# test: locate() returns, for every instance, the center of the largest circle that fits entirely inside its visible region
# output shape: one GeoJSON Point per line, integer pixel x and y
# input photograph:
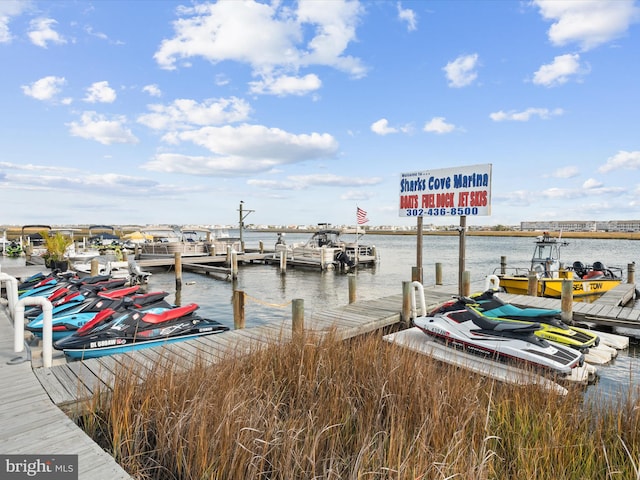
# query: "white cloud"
{"type": "Point", "coordinates": [302, 182]}
{"type": "Point", "coordinates": [185, 112]}
{"type": "Point", "coordinates": [44, 89]}
{"type": "Point", "coordinates": [461, 72]}
{"type": "Point", "coordinates": [152, 90]}
{"type": "Point", "coordinates": [381, 127]}
{"type": "Point", "coordinates": [269, 37]}
{"type": "Point", "coordinates": [622, 159]}
{"type": "Point", "coordinates": [243, 150]}
{"type": "Point", "coordinates": [588, 23]}
{"type": "Point", "coordinates": [591, 183]}
{"type": "Point", "coordinates": [439, 125]}
{"type": "Point", "coordinates": [93, 126]}
{"type": "Point", "coordinates": [8, 9]}
{"type": "Point", "coordinates": [409, 16]}
{"type": "Point", "coordinates": [100, 92]}
{"type": "Point", "coordinates": [566, 172]}
{"type": "Point", "coordinates": [525, 115]}
{"type": "Point", "coordinates": [42, 32]}
{"type": "Point", "coordinates": [286, 85]}
{"type": "Point", "coordinates": [559, 72]}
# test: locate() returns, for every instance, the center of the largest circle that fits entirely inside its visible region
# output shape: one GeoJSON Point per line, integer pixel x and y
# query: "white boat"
{"type": "Point", "coordinates": [115, 269]}
{"type": "Point", "coordinates": [167, 241]}
{"type": "Point", "coordinates": [328, 248]}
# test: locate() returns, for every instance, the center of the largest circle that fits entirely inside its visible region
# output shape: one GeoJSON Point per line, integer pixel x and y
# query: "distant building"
{"type": "Point", "coordinates": [583, 226]}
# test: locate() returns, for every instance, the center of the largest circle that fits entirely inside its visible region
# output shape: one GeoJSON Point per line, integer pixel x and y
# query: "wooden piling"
{"type": "Point", "coordinates": [95, 267]}
{"type": "Point", "coordinates": [234, 265]}
{"type": "Point", "coordinates": [352, 287]}
{"type": "Point", "coordinates": [283, 261]}
{"type": "Point", "coordinates": [466, 283]}
{"type": "Point", "coordinates": [416, 274]}
{"type": "Point", "coordinates": [297, 317]}
{"type": "Point", "coordinates": [631, 272]}
{"type": "Point", "coordinates": [177, 262]}
{"type": "Point", "coordinates": [503, 264]}
{"type": "Point", "coordinates": [566, 301]}
{"type": "Point", "coordinates": [438, 273]}
{"type": "Point", "coordinates": [238, 309]}
{"type": "Point", "coordinates": [406, 303]}
{"type": "Point", "coordinates": [532, 285]}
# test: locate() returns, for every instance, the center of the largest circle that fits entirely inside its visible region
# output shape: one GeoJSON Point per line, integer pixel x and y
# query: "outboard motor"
{"type": "Point", "coordinates": [344, 259]}
{"type": "Point", "coordinates": [579, 268]}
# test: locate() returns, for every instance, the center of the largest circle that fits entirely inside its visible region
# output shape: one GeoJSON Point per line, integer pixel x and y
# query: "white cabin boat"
{"type": "Point", "coordinates": [329, 248]}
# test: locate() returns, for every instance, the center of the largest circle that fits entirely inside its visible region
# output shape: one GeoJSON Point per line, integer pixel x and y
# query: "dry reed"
{"type": "Point", "coordinates": [361, 409]}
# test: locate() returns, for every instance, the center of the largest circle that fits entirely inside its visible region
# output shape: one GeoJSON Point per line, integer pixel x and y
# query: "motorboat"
{"type": "Point", "coordinates": [110, 332]}
{"type": "Point", "coordinates": [329, 249]}
{"type": "Point", "coordinates": [67, 321]}
{"type": "Point", "coordinates": [500, 340]}
{"type": "Point", "coordinates": [32, 242]}
{"type": "Point", "coordinates": [551, 326]}
{"type": "Point", "coordinates": [588, 280]}
{"type": "Point", "coordinates": [167, 241]}
{"type": "Point", "coordinates": [128, 270]}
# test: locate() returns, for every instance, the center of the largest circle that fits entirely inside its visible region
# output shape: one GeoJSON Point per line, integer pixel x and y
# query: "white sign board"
{"type": "Point", "coordinates": [446, 192]}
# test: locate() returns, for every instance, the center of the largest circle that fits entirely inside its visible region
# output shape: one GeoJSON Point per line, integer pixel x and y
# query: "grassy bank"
{"type": "Point", "coordinates": [362, 409]}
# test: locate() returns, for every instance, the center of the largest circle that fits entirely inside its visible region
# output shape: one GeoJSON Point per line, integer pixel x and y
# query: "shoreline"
{"type": "Point", "coordinates": [474, 233]}
{"type": "Point", "coordinates": [13, 233]}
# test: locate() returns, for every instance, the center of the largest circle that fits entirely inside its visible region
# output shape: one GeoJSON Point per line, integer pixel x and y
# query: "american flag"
{"type": "Point", "coordinates": [362, 216]}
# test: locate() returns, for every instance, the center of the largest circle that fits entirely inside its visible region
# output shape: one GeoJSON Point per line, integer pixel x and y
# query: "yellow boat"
{"type": "Point", "coordinates": [588, 281]}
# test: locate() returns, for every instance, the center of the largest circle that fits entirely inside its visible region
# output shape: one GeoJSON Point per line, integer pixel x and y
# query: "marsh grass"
{"type": "Point", "coordinates": [361, 409]}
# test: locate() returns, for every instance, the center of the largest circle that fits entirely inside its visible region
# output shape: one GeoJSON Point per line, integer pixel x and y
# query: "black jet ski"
{"type": "Point", "coordinates": [110, 332]}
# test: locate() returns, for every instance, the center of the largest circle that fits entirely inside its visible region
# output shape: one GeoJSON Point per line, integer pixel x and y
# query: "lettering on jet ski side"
{"type": "Point", "coordinates": [107, 343]}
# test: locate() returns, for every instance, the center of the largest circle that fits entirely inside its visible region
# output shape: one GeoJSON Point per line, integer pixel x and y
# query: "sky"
{"type": "Point", "coordinates": [175, 112]}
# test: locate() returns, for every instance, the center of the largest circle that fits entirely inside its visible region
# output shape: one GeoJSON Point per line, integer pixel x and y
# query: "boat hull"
{"type": "Point", "coordinates": [552, 287]}
{"type": "Point", "coordinates": [127, 346]}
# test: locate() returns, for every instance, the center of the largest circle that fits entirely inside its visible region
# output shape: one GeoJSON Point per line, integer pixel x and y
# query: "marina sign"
{"type": "Point", "coordinates": [446, 192]}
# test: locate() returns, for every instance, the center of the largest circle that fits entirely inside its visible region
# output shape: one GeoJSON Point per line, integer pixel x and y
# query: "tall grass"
{"type": "Point", "coordinates": [363, 409]}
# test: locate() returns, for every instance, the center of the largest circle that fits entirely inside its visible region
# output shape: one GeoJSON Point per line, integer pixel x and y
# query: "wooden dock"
{"type": "Point", "coordinates": [30, 423]}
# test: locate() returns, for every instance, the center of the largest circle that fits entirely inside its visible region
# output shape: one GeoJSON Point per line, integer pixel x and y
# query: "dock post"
{"type": "Point", "coordinates": [283, 261]}
{"type": "Point", "coordinates": [405, 316]}
{"type": "Point", "coordinates": [466, 283]}
{"type": "Point", "coordinates": [297, 316]}
{"type": "Point", "coordinates": [566, 301]}
{"type": "Point", "coordinates": [438, 273]}
{"type": "Point", "coordinates": [177, 261]}
{"type": "Point", "coordinates": [234, 265]}
{"type": "Point", "coordinates": [228, 259]}
{"type": "Point", "coordinates": [532, 285]}
{"type": "Point", "coordinates": [261, 246]}
{"type": "Point", "coordinates": [352, 287]}
{"type": "Point", "coordinates": [631, 272]}
{"type": "Point", "coordinates": [416, 274]}
{"type": "Point", "coordinates": [238, 309]}
{"type": "Point", "coordinates": [95, 267]}
{"type": "Point", "coordinates": [503, 264]}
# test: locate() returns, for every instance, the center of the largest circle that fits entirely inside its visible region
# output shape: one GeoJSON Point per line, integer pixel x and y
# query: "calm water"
{"type": "Point", "coordinates": [269, 293]}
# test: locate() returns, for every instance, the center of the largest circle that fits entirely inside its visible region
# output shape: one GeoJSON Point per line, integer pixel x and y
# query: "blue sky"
{"type": "Point", "coordinates": [144, 112]}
